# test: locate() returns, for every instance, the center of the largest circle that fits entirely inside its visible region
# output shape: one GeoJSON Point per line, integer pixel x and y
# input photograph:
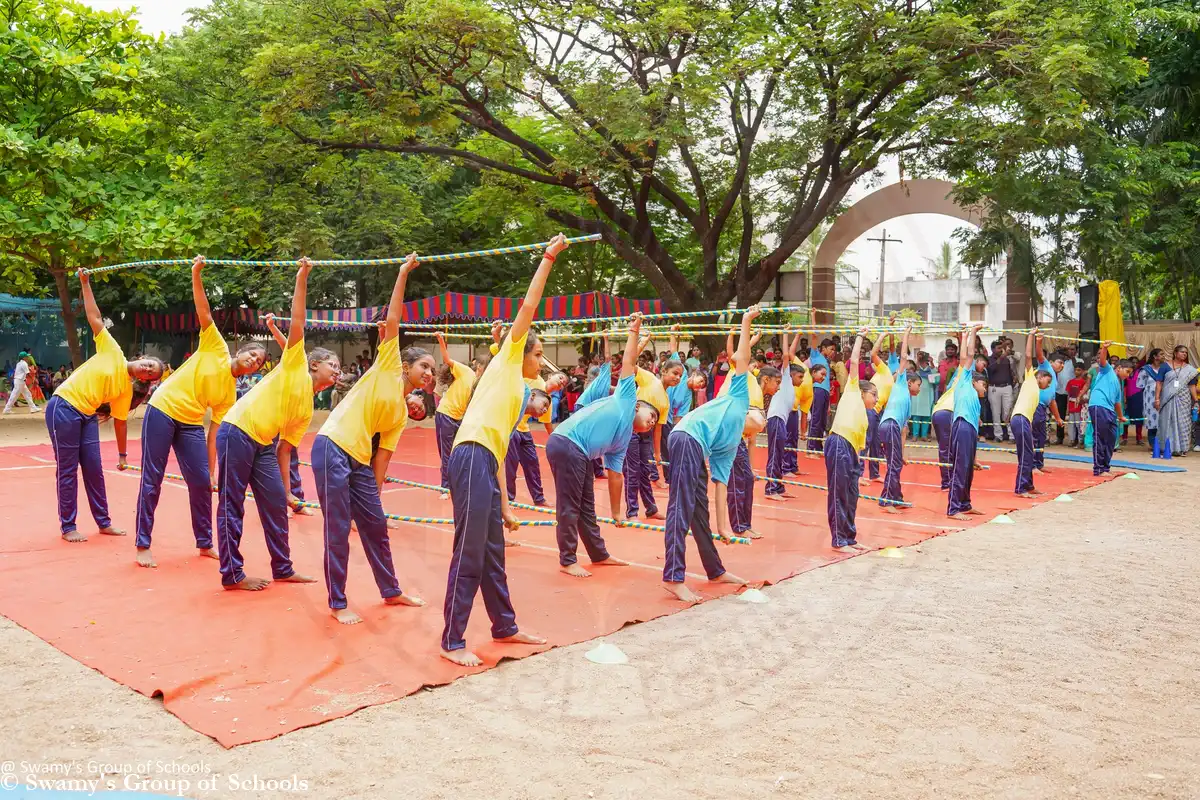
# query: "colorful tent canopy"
{"type": "Point", "coordinates": [440, 308]}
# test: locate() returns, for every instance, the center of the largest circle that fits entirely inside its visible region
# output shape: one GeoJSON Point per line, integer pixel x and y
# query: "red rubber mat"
{"type": "Point", "coordinates": [246, 666]}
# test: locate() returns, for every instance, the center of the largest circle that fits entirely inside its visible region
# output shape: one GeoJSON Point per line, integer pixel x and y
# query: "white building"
{"type": "Point", "coordinates": [953, 300]}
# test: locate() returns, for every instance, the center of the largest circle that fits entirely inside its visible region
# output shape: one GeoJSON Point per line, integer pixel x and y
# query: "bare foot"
{"type": "Point", "coordinates": [973, 512]}
{"type": "Point", "coordinates": [249, 584]}
{"type": "Point", "coordinates": [1044, 470]}
{"type": "Point", "coordinates": [891, 510]}
{"type": "Point", "coordinates": [862, 548]}
{"type": "Point", "coordinates": [656, 514]}
{"type": "Point", "coordinates": [74, 536]}
{"type": "Point", "coordinates": [393, 524]}
{"type": "Point", "coordinates": [1029, 495]}
{"type": "Point", "coordinates": [464, 658]}
{"type": "Point", "coordinates": [296, 577]}
{"type": "Point", "coordinates": [443, 495]}
{"type": "Point", "coordinates": [963, 517]}
{"type": "Point", "coordinates": [750, 533]}
{"type": "Point", "coordinates": [303, 511]}
{"type": "Point", "coordinates": [511, 542]}
{"type": "Point", "coordinates": [728, 578]}
{"type": "Point", "coordinates": [682, 592]}
{"type": "Point", "coordinates": [864, 481]}
{"type": "Point", "coordinates": [778, 498]}
{"type": "Point", "coordinates": [520, 638]}
{"type": "Point", "coordinates": [111, 531]}
{"type": "Point", "coordinates": [145, 558]}
{"type": "Point", "coordinates": [410, 600]}
{"type": "Point", "coordinates": [611, 561]}
{"type": "Point", "coordinates": [575, 571]}
{"type": "Point", "coordinates": [207, 552]}
{"type": "Point", "coordinates": [345, 616]}
{"type": "Point", "coordinates": [845, 549]}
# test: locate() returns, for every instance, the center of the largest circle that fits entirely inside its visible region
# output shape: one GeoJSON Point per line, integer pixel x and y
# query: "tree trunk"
{"type": "Point", "coordinates": [68, 313]}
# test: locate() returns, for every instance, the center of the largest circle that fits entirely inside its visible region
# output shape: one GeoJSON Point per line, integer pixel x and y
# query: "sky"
{"type": "Point", "coordinates": [921, 235]}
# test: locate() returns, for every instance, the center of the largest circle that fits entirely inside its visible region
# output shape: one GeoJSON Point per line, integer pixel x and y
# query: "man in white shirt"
{"type": "Point", "coordinates": [20, 389]}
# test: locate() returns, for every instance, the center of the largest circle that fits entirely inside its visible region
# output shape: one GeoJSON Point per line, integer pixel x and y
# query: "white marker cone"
{"type": "Point", "coordinates": [1065, 498]}
{"type": "Point", "coordinates": [753, 596]}
{"type": "Point", "coordinates": [605, 653]}
{"type": "Point", "coordinates": [1133, 476]}
{"type": "Point", "coordinates": [1004, 519]}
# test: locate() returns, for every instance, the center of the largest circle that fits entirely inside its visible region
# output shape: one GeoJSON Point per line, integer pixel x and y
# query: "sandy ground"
{"type": "Point", "coordinates": [1043, 659]}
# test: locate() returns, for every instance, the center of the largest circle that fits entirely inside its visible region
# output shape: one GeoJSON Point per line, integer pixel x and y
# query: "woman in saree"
{"type": "Point", "coordinates": [1149, 380]}
{"type": "Point", "coordinates": [1179, 391]}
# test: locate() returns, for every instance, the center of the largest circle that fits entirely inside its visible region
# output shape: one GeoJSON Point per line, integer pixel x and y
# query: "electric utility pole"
{"type": "Point", "coordinates": [883, 243]}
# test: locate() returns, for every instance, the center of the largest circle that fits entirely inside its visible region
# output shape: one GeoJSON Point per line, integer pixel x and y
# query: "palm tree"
{"type": "Point", "coordinates": [943, 267]}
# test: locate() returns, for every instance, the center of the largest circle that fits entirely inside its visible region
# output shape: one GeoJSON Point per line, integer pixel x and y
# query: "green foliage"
{"type": "Point", "coordinates": [705, 141]}
{"type": "Point", "coordinates": [1116, 198]}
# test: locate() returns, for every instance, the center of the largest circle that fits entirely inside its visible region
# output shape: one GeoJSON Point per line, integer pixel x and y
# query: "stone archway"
{"type": "Point", "coordinates": [922, 196]}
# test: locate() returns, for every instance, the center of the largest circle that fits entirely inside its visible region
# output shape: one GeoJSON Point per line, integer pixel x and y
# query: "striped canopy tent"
{"type": "Point", "coordinates": [440, 308]}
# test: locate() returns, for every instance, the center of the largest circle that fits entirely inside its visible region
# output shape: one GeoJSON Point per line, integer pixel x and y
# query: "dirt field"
{"type": "Point", "coordinates": [1043, 659]}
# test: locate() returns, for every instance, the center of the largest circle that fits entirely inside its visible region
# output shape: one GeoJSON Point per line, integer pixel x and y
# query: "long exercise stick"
{"type": "Point", "coordinates": [349, 262]}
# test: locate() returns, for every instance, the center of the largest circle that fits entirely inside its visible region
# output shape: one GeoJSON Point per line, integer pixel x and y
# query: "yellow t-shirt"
{"type": "Point", "coordinates": [850, 421]}
{"type": "Point", "coordinates": [454, 401]}
{"type": "Point", "coordinates": [1027, 398]}
{"type": "Point", "coordinates": [374, 405]}
{"type": "Point", "coordinates": [204, 381]}
{"type": "Point", "coordinates": [499, 401]}
{"type": "Point", "coordinates": [103, 378]}
{"type": "Point", "coordinates": [883, 382]}
{"type": "Point", "coordinates": [838, 368]}
{"type": "Point", "coordinates": [532, 383]}
{"type": "Point", "coordinates": [650, 390]}
{"type": "Point", "coordinates": [756, 392]}
{"type": "Point", "coordinates": [804, 392]}
{"type": "Point", "coordinates": [281, 404]}
{"type": "Point", "coordinates": [946, 401]}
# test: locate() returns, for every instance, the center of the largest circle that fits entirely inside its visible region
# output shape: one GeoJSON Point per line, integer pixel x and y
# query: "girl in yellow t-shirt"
{"type": "Point", "coordinates": [280, 405]}
{"type": "Point", "coordinates": [175, 421]}
{"type": "Point", "coordinates": [847, 438]}
{"type": "Point", "coordinates": [461, 380]}
{"type": "Point", "coordinates": [350, 469]}
{"type": "Point", "coordinates": [481, 511]}
{"type": "Point", "coordinates": [105, 379]}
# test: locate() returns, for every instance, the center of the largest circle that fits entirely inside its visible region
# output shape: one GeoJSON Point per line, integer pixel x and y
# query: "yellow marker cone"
{"type": "Point", "coordinates": [892, 552]}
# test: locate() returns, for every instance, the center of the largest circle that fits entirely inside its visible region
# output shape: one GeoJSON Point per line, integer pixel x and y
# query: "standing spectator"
{"type": "Point", "coordinates": [1150, 379]}
{"type": "Point", "coordinates": [693, 360]}
{"type": "Point", "coordinates": [1064, 371]}
{"type": "Point", "coordinates": [1000, 371]}
{"type": "Point", "coordinates": [20, 384]}
{"type": "Point", "coordinates": [947, 363]}
{"type": "Point", "coordinates": [1075, 406]}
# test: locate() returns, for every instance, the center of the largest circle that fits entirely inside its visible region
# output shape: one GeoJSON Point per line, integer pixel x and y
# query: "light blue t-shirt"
{"type": "Point", "coordinates": [1106, 389]}
{"type": "Point", "coordinates": [899, 405]}
{"type": "Point", "coordinates": [717, 426]}
{"type": "Point", "coordinates": [815, 359]}
{"type": "Point", "coordinates": [1046, 396]}
{"type": "Point", "coordinates": [966, 399]}
{"type": "Point", "coordinates": [524, 405]}
{"type": "Point", "coordinates": [597, 389]}
{"type": "Point", "coordinates": [604, 428]}
{"type": "Point", "coordinates": [783, 401]}
{"type": "Point", "coordinates": [679, 397]}
{"type": "Point", "coordinates": [893, 362]}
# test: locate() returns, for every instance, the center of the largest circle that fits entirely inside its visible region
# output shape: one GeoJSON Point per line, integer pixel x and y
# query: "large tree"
{"type": "Point", "coordinates": [83, 176]}
{"type": "Point", "coordinates": [705, 140]}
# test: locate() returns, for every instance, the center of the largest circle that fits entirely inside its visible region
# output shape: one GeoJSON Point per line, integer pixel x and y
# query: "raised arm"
{"type": "Point", "coordinates": [280, 339]}
{"type": "Point", "coordinates": [793, 347]}
{"type": "Point", "coordinates": [391, 328]}
{"type": "Point", "coordinates": [533, 295]}
{"type": "Point", "coordinates": [1102, 356]}
{"type": "Point", "coordinates": [94, 317]}
{"type": "Point", "coordinates": [441, 340]}
{"type": "Point", "coordinates": [729, 348]}
{"type": "Point", "coordinates": [673, 347]}
{"type": "Point", "coordinates": [741, 359]}
{"type": "Point", "coordinates": [629, 360]}
{"type": "Point", "coordinates": [299, 303]}
{"type": "Point", "coordinates": [607, 351]}
{"type": "Point", "coordinates": [1029, 350]}
{"type": "Point", "coordinates": [199, 296]}
{"type": "Point", "coordinates": [856, 353]}
{"type": "Point", "coordinates": [965, 354]}
{"type": "Point", "coordinates": [904, 354]}
{"type": "Point", "coordinates": [875, 359]}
